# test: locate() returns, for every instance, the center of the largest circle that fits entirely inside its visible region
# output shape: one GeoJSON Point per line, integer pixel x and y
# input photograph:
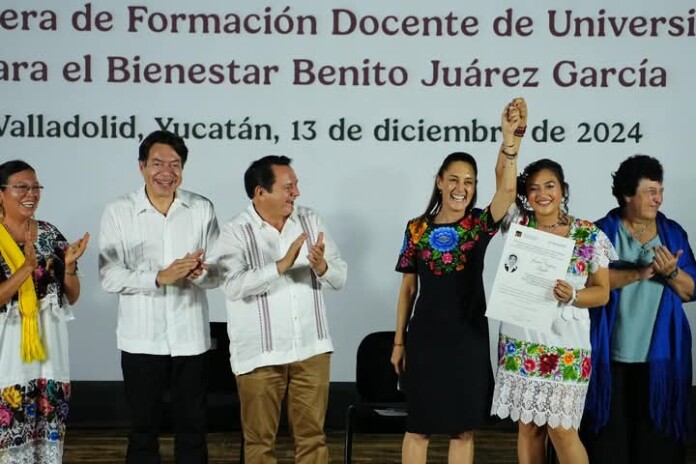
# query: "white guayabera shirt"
{"type": "Point", "coordinates": [136, 241]}
{"type": "Point", "coordinates": [275, 319]}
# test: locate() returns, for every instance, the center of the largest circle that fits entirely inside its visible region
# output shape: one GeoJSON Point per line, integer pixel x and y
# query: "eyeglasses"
{"type": "Point", "coordinates": [23, 189]}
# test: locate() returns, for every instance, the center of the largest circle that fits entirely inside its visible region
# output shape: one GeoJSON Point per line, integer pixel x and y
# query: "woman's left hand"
{"type": "Point", "coordinates": [563, 291]}
{"type": "Point", "coordinates": [665, 262]}
{"type": "Point", "coordinates": [75, 250]}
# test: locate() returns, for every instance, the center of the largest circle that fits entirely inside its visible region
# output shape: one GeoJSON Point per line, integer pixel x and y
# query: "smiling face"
{"type": "Point", "coordinates": [20, 197]}
{"type": "Point", "coordinates": [545, 194]}
{"type": "Point", "coordinates": [458, 186]}
{"type": "Point", "coordinates": [162, 171]}
{"type": "Point", "coordinates": [278, 203]}
{"type": "Point", "coordinates": [646, 202]}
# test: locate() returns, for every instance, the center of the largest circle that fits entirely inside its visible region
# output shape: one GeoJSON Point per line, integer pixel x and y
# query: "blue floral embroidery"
{"type": "Point", "coordinates": [444, 239]}
{"type": "Point", "coordinates": [443, 248]}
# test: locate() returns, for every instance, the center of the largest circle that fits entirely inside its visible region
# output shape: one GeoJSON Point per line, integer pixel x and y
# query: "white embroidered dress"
{"type": "Point", "coordinates": [543, 377]}
{"type": "Point", "coordinates": [34, 397]}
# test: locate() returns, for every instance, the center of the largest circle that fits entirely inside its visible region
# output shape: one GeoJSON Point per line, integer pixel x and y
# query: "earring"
{"type": "Point", "coordinates": [525, 204]}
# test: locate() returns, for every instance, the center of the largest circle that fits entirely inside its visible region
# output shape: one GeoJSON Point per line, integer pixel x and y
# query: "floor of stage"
{"type": "Point", "coordinates": [108, 447]}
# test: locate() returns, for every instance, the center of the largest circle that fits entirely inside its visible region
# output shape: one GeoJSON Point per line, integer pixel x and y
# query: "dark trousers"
{"type": "Point", "coordinates": [146, 378]}
{"type": "Point", "coordinates": [630, 437]}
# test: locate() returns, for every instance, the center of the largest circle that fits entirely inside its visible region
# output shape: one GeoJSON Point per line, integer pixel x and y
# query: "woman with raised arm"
{"type": "Point", "coordinates": [38, 280]}
{"type": "Point", "coordinates": [442, 352]}
{"type": "Point", "coordinates": [542, 377]}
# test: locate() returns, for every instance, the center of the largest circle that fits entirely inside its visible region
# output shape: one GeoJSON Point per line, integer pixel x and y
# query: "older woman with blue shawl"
{"type": "Point", "coordinates": [638, 408]}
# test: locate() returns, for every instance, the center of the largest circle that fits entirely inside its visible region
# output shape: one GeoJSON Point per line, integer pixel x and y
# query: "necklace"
{"type": "Point", "coordinates": [637, 235]}
{"type": "Point", "coordinates": [563, 221]}
{"type": "Point", "coordinates": [550, 227]}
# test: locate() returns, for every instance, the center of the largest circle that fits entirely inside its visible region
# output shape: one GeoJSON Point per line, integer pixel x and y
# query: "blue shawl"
{"type": "Point", "coordinates": [669, 357]}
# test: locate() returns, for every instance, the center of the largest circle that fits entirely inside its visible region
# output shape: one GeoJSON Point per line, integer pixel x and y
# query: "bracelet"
{"type": "Point", "coordinates": [509, 155]}
{"type": "Point", "coordinates": [397, 344]}
{"type": "Point", "coordinates": [573, 297]}
{"type": "Point", "coordinates": [71, 273]}
{"type": "Point", "coordinates": [519, 132]}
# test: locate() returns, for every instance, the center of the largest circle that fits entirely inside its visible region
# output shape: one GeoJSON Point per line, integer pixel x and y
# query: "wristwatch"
{"type": "Point", "coordinates": [673, 274]}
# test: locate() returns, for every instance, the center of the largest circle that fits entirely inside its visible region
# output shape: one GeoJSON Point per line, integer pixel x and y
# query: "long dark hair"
{"type": "Point", "coordinates": [531, 170]}
{"type": "Point", "coordinates": [435, 203]}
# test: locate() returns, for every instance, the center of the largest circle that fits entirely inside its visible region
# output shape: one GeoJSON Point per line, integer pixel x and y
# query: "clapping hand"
{"type": "Point", "coordinates": [190, 264]}
{"type": "Point", "coordinates": [75, 250]}
{"type": "Point", "coordinates": [665, 262]}
{"type": "Point", "coordinates": [29, 250]}
{"type": "Point", "coordinates": [286, 262]}
{"type": "Point", "coordinates": [316, 256]}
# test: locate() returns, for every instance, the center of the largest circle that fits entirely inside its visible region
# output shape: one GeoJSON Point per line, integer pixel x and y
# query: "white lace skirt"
{"type": "Point", "coordinates": [543, 384]}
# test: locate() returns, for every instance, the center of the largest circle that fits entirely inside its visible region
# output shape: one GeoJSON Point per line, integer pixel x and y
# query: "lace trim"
{"type": "Point", "coordinates": [542, 402]}
{"type": "Point", "coordinates": [36, 452]}
{"type": "Point", "coordinates": [59, 309]}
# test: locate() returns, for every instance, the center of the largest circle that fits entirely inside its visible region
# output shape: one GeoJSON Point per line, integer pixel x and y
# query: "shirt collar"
{"type": "Point", "coordinates": [143, 204]}
{"type": "Point", "coordinates": [258, 221]}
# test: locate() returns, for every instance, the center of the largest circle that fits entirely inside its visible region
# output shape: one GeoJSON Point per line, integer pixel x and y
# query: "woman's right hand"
{"type": "Point", "coordinates": [398, 359]}
{"type": "Point", "coordinates": [29, 251]}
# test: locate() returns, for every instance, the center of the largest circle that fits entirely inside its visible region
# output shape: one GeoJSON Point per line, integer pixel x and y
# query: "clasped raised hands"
{"type": "Point", "coordinates": [514, 116]}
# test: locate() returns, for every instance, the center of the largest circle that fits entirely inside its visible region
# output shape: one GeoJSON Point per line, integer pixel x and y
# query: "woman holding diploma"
{"type": "Point", "coordinates": [542, 377]}
{"type": "Point", "coordinates": [444, 359]}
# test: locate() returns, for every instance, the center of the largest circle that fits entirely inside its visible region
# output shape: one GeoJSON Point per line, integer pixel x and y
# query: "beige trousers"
{"type": "Point", "coordinates": [261, 393]}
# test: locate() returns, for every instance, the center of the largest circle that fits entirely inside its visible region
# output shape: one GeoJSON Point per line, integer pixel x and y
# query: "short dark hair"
{"type": "Point", "coordinates": [9, 168]}
{"type": "Point", "coordinates": [630, 172]}
{"type": "Point", "coordinates": [260, 173]}
{"type": "Point", "coordinates": [435, 202]}
{"type": "Point", "coordinates": [167, 138]}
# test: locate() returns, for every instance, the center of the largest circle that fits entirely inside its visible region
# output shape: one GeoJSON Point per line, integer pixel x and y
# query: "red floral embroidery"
{"type": "Point", "coordinates": [548, 363]}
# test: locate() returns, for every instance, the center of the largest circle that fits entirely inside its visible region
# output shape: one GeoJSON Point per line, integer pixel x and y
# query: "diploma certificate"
{"type": "Point", "coordinates": [522, 292]}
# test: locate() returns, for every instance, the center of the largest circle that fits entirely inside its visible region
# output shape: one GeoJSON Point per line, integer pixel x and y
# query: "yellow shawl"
{"type": "Point", "coordinates": [32, 349]}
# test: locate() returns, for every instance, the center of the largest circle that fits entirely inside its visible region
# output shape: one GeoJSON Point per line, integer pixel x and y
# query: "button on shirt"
{"type": "Point", "coordinates": [275, 319]}
{"type": "Point", "coordinates": [136, 241]}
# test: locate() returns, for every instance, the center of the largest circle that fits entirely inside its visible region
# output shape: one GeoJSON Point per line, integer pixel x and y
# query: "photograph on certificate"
{"type": "Point", "coordinates": [522, 292]}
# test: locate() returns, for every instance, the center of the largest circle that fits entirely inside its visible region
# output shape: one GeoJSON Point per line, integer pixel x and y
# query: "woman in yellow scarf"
{"type": "Point", "coordinates": [38, 281]}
